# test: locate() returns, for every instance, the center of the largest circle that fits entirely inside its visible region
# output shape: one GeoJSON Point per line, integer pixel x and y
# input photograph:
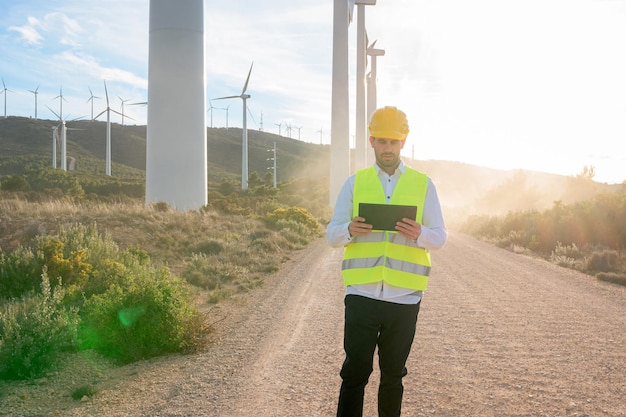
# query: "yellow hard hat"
{"type": "Point", "coordinates": [390, 123]}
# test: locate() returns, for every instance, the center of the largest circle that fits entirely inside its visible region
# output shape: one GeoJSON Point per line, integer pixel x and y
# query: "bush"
{"type": "Point", "coordinates": [20, 273]}
{"type": "Point", "coordinates": [293, 215]}
{"type": "Point", "coordinates": [604, 261]}
{"type": "Point", "coordinates": [80, 255]}
{"type": "Point", "coordinates": [33, 331]}
{"type": "Point", "coordinates": [148, 315]}
{"type": "Point", "coordinates": [612, 277]}
{"type": "Point", "coordinates": [210, 272]}
{"type": "Point", "coordinates": [15, 183]}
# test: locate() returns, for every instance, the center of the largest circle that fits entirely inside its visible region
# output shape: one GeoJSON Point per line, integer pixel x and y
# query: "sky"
{"type": "Point", "coordinates": [508, 84]}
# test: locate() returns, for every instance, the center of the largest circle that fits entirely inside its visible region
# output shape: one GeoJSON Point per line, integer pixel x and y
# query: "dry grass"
{"type": "Point", "coordinates": [248, 248]}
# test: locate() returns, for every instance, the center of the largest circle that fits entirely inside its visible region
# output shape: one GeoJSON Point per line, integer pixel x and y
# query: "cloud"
{"type": "Point", "coordinates": [89, 65]}
{"type": "Point", "coordinates": [29, 32]}
{"type": "Point", "coordinates": [58, 28]}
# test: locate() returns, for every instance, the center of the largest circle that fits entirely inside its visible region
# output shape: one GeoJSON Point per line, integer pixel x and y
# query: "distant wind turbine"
{"type": "Point", "coordinates": [244, 145]}
{"type": "Point", "coordinates": [108, 111]}
{"type": "Point", "coordinates": [5, 90]}
{"type": "Point", "coordinates": [91, 98]}
{"type": "Point", "coordinates": [371, 80]}
{"type": "Point", "coordinates": [64, 129]}
{"type": "Point", "coordinates": [60, 97]}
{"type": "Point", "coordinates": [211, 110]}
{"type": "Point", "coordinates": [279, 126]}
{"type": "Point", "coordinates": [122, 107]}
{"type": "Point", "coordinates": [35, 92]}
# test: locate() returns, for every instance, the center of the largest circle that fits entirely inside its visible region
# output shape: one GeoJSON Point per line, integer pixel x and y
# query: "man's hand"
{"type": "Point", "coordinates": [409, 228]}
{"type": "Point", "coordinates": [358, 227]}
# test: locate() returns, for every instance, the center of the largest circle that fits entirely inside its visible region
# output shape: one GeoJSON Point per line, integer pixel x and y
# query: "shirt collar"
{"type": "Point", "coordinates": [399, 171]}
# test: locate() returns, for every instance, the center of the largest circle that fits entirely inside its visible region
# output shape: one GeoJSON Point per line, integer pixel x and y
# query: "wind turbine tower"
{"type": "Point", "coordinates": [5, 90]}
{"type": "Point", "coordinates": [91, 98]}
{"type": "Point", "coordinates": [360, 145]}
{"type": "Point", "coordinates": [176, 154]}
{"type": "Point", "coordinates": [35, 92]}
{"type": "Point", "coordinates": [372, 100]}
{"type": "Point", "coordinates": [339, 122]}
{"type": "Point", "coordinates": [108, 110]}
{"type": "Point", "coordinates": [54, 146]}
{"type": "Point", "coordinates": [244, 140]}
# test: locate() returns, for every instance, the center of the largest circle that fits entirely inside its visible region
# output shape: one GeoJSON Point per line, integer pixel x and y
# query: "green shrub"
{"type": "Point", "coordinates": [286, 217]}
{"type": "Point", "coordinates": [33, 331]}
{"type": "Point", "coordinates": [149, 314]}
{"type": "Point", "coordinates": [20, 273]}
{"type": "Point", "coordinates": [15, 183]}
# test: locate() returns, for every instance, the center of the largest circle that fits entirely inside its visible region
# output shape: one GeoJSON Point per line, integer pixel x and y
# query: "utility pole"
{"type": "Point", "coordinates": [274, 164]}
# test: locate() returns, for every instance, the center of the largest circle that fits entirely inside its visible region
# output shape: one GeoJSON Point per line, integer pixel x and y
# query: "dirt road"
{"type": "Point", "coordinates": [499, 334]}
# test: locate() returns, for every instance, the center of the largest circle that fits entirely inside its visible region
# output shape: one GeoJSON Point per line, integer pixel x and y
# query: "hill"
{"type": "Point", "coordinates": [463, 188]}
{"type": "Point", "coordinates": [86, 140]}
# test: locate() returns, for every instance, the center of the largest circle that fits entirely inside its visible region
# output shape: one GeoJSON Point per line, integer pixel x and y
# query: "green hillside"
{"type": "Point", "coordinates": [28, 142]}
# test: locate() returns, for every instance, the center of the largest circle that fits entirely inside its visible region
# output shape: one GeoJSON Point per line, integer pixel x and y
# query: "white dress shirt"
{"type": "Point", "coordinates": [434, 233]}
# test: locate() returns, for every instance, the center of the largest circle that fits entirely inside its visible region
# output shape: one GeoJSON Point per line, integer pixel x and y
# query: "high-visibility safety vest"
{"type": "Point", "coordinates": [386, 255]}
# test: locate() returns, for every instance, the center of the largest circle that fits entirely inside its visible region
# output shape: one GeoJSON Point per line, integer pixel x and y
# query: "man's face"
{"type": "Point", "coordinates": [387, 152]}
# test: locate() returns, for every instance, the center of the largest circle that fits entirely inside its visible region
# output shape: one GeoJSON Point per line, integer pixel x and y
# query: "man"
{"type": "Point", "coordinates": [385, 272]}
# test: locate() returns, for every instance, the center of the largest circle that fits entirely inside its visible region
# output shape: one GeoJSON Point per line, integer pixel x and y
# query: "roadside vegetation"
{"type": "Point", "coordinates": [85, 267]}
{"type": "Point", "coordinates": [97, 271]}
{"type": "Point", "coordinates": [589, 236]}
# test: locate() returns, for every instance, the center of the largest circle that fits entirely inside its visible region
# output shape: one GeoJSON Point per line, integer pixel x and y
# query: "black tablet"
{"type": "Point", "coordinates": [385, 216]}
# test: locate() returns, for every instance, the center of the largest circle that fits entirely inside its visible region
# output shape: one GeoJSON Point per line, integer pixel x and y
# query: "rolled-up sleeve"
{"type": "Point", "coordinates": [337, 234]}
{"type": "Point", "coordinates": [434, 232]}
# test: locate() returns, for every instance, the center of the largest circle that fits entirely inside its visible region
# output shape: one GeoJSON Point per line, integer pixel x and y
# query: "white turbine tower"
{"type": "Point", "coordinates": [372, 100]}
{"type": "Point", "coordinates": [61, 99]}
{"type": "Point", "coordinates": [226, 108]}
{"type": "Point", "coordinates": [360, 145]}
{"type": "Point", "coordinates": [340, 122]}
{"type": "Point", "coordinates": [63, 141]}
{"type": "Point", "coordinates": [64, 129]}
{"type": "Point", "coordinates": [54, 146]}
{"type": "Point", "coordinates": [5, 90]}
{"type": "Point", "coordinates": [176, 150]}
{"type": "Point", "coordinates": [91, 98]}
{"type": "Point", "coordinates": [35, 92]}
{"type": "Point", "coordinates": [108, 111]}
{"type": "Point", "coordinates": [280, 125]}
{"type": "Point", "coordinates": [244, 140]}
{"type": "Point", "coordinates": [122, 107]}
{"type": "Point", "coordinates": [211, 110]}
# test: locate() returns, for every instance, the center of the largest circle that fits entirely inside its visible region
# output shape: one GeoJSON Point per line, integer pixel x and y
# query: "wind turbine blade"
{"type": "Point", "coordinates": [245, 86]}
{"type": "Point", "coordinates": [222, 98]}
{"type": "Point", "coordinates": [55, 113]}
{"type": "Point", "coordinates": [106, 92]}
{"type": "Point", "coordinates": [100, 114]}
{"type": "Point", "coordinates": [124, 115]}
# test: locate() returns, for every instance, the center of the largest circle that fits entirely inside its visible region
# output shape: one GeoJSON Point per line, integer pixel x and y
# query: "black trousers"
{"type": "Point", "coordinates": [370, 323]}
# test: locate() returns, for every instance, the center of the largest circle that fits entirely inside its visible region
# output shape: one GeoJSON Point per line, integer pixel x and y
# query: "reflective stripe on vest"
{"type": "Point", "coordinates": [387, 256]}
{"type": "Point", "coordinates": [396, 264]}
